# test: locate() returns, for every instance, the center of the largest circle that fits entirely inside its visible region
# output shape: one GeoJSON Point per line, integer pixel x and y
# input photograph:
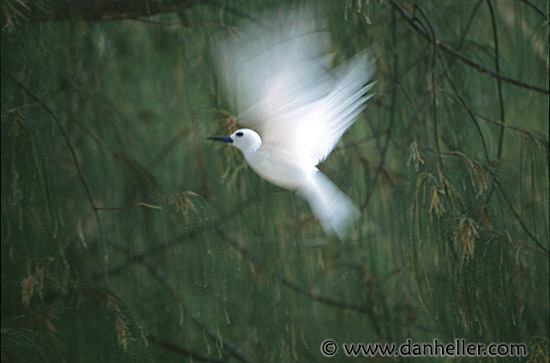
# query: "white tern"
{"type": "Point", "coordinates": [298, 105]}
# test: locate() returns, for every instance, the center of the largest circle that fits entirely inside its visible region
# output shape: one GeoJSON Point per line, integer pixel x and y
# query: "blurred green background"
{"type": "Point", "coordinates": [126, 236]}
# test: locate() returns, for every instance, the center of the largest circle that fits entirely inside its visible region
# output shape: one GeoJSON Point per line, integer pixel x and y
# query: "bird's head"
{"type": "Point", "coordinates": [243, 139]}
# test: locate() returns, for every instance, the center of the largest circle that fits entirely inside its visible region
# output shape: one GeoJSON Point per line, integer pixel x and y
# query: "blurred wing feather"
{"type": "Point", "coordinates": [287, 91]}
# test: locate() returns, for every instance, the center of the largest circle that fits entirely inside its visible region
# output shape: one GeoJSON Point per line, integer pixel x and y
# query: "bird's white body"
{"type": "Point", "coordinates": [277, 168]}
{"type": "Point", "coordinates": [298, 107]}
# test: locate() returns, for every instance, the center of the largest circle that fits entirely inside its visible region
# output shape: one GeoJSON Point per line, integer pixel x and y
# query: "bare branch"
{"type": "Point", "coordinates": [462, 57]}
{"type": "Point", "coordinates": [180, 350]}
{"type": "Point", "coordinates": [537, 9]}
{"type": "Point", "coordinates": [78, 169]}
{"type": "Point", "coordinates": [499, 82]}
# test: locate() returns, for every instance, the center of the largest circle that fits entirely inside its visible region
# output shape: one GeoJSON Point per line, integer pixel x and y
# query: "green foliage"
{"type": "Point", "coordinates": [151, 244]}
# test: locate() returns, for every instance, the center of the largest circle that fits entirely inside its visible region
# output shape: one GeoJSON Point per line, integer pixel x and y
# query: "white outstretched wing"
{"type": "Point", "coordinates": [287, 90]}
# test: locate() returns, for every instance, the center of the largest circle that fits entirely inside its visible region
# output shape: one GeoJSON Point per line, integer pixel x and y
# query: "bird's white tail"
{"type": "Point", "coordinates": [330, 205]}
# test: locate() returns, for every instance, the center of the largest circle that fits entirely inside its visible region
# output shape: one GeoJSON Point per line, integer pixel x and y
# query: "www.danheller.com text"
{"type": "Point", "coordinates": [435, 348]}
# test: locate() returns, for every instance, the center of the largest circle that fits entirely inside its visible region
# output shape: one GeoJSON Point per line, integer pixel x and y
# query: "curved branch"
{"type": "Point", "coordinates": [463, 58]}
{"type": "Point", "coordinates": [392, 113]}
{"type": "Point", "coordinates": [322, 299]}
{"type": "Point", "coordinates": [77, 166]}
{"type": "Point", "coordinates": [213, 333]}
{"type": "Point", "coordinates": [537, 9]}
{"type": "Point", "coordinates": [291, 284]}
{"type": "Point", "coordinates": [463, 104]}
{"type": "Point", "coordinates": [515, 213]}
{"type": "Point", "coordinates": [181, 350]}
{"type": "Point", "coordinates": [499, 82]}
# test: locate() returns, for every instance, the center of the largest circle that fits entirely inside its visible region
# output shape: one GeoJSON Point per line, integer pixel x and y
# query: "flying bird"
{"type": "Point", "coordinates": [295, 104]}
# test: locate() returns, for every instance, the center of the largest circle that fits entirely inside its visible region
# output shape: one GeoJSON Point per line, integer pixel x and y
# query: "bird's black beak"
{"type": "Point", "coordinates": [226, 139]}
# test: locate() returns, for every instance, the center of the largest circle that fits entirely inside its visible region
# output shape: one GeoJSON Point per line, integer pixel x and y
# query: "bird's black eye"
{"type": "Point", "coordinates": [239, 134]}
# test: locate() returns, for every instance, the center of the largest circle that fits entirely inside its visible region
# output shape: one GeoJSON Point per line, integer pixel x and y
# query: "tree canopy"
{"type": "Point", "coordinates": [126, 236]}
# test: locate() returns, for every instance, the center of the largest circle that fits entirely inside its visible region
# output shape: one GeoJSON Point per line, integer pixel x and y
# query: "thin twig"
{"type": "Point", "coordinates": [214, 334]}
{"type": "Point", "coordinates": [434, 91]}
{"type": "Point", "coordinates": [479, 67]}
{"type": "Point", "coordinates": [77, 165]}
{"type": "Point", "coordinates": [140, 202]}
{"type": "Point", "coordinates": [523, 225]}
{"type": "Point", "coordinates": [293, 285]}
{"type": "Point", "coordinates": [531, 134]}
{"type": "Point", "coordinates": [183, 131]}
{"type": "Point", "coordinates": [468, 26]}
{"type": "Point", "coordinates": [392, 113]}
{"type": "Point", "coordinates": [185, 236]}
{"type": "Point", "coordinates": [322, 299]}
{"type": "Point", "coordinates": [463, 103]}
{"type": "Point", "coordinates": [181, 350]}
{"type": "Point", "coordinates": [538, 10]}
{"type": "Point", "coordinates": [499, 81]}
{"type": "Point", "coordinates": [519, 243]}
{"type": "Point", "coordinates": [118, 155]}
{"type": "Point", "coordinates": [433, 79]}
{"type": "Point", "coordinates": [506, 199]}
{"type": "Point", "coordinates": [505, 196]}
